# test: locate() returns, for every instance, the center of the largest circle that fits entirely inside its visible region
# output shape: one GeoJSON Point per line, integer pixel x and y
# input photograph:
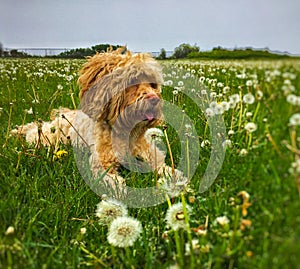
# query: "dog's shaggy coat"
{"type": "Point", "coordinates": [119, 101]}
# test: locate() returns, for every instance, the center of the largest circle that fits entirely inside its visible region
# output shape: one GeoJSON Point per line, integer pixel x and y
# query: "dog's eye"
{"type": "Point", "coordinates": [153, 85]}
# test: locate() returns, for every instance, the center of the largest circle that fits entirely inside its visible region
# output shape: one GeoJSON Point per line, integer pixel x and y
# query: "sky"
{"type": "Point", "coordinates": [150, 25]}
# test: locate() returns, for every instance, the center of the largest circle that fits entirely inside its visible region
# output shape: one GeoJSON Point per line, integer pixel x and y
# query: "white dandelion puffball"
{"type": "Point", "coordinates": [175, 216]}
{"type": "Point", "coordinates": [223, 220]}
{"type": "Point", "coordinates": [153, 134]}
{"type": "Point", "coordinates": [295, 119]}
{"type": "Point", "coordinates": [110, 209]}
{"type": "Point", "coordinates": [235, 98]}
{"type": "Point", "coordinates": [249, 98]}
{"type": "Point", "coordinates": [251, 127]}
{"type": "Point", "coordinates": [124, 231]}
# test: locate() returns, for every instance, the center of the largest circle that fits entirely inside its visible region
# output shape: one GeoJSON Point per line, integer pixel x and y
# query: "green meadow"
{"type": "Point", "coordinates": [248, 218]}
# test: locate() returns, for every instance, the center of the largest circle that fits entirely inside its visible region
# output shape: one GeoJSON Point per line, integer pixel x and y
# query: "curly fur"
{"type": "Point", "coordinates": [119, 101]}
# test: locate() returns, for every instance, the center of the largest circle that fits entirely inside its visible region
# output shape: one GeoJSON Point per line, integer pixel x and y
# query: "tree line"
{"type": "Point", "coordinates": [183, 51]}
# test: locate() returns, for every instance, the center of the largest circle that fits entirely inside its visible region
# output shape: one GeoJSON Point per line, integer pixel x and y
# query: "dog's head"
{"type": "Point", "coordinates": [122, 89]}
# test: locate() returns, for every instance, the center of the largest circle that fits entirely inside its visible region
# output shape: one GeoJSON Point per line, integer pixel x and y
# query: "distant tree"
{"type": "Point", "coordinates": [83, 52]}
{"type": "Point", "coordinates": [162, 55]}
{"type": "Point", "coordinates": [1, 49]}
{"type": "Point", "coordinates": [104, 47]}
{"type": "Point", "coordinates": [18, 54]}
{"type": "Point", "coordinates": [183, 50]}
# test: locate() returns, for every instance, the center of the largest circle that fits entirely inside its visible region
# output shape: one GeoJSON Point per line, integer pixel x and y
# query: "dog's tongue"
{"type": "Point", "coordinates": [149, 116]}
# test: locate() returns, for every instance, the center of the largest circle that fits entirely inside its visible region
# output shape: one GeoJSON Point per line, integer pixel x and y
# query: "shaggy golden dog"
{"type": "Point", "coordinates": [119, 102]}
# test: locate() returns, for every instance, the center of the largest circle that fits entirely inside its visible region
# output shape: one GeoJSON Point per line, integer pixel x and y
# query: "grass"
{"type": "Point", "coordinates": [47, 202]}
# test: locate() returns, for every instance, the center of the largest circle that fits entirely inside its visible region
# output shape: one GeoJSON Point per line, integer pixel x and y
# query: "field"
{"type": "Point", "coordinates": [249, 216]}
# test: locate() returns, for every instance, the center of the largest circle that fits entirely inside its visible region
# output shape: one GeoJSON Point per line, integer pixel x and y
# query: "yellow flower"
{"type": "Point", "coordinates": [245, 196]}
{"type": "Point", "coordinates": [245, 223]}
{"type": "Point", "coordinates": [59, 154]}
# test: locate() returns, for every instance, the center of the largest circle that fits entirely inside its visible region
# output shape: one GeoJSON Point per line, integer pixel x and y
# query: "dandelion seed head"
{"type": "Point", "coordinates": [223, 220]}
{"type": "Point", "coordinates": [209, 112]}
{"type": "Point", "coordinates": [110, 209]}
{"type": "Point", "coordinates": [295, 119]}
{"type": "Point", "coordinates": [175, 216]}
{"type": "Point", "coordinates": [124, 231]}
{"type": "Point", "coordinates": [249, 98]}
{"type": "Point", "coordinates": [153, 135]}
{"type": "Point", "coordinates": [251, 127]}
{"type": "Point", "coordinates": [235, 98]}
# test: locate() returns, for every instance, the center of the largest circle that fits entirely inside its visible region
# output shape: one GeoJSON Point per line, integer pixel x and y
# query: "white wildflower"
{"type": "Point", "coordinates": [249, 98]}
{"type": "Point", "coordinates": [225, 105]}
{"type": "Point", "coordinates": [243, 152]}
{"type": "Point", "coordinates": [251, 127]}
{"type": "Point", "coordinates": [10, 230]}
{"type": "Point", "coordinates": [295, 119]}
{"type": "Point", "coordinates": [223, 220]}
{"type": "Point", "coordinates": [195, 246]}
{"type": "Point", "coordinates": [205, 143]}
{"type": "Point", "coordinates": [153, 135]}
{"type": "Point", "coordinates": [259, 95]}
{"type": "Point", "coordinates": [124, 231]}
{"type": "Point", "coordinates": [249, 83]}
{"type": "Point", "coordinates": [110, 209]}
{"type": "Point", "coordinates": [83, 230]}
{"type": "Point", "coordinates": [227, 143]}
{"type": "Point", "coordinates": [230, 132]}
{"type": "Point", "coordinates": [209, 112]}
{"type": "Point", "coordinates": [29, 111]}
{"type": "Point", "coordinates": [175, 216]}
{"type": "Point", "coordinates": [292, 99]}
{"type": "Point", "coordinates": [235, 98]}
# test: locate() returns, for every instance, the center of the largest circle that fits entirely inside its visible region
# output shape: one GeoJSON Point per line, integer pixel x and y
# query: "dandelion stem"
{"type": "Point", "coordinates": [187, 222]}
{"type": "Point", "coordinates": [170, 152]}
{"type": "Point", "coordinates": [188, 158]}
{"type": "Point", "coordinates": [8, 126]}
{"type": "Point", "coordinates": [249, 141]}
{"type": "Point", "coordinates": [178, 249]}
{"type": "Point", "coordinates": [241, 113]}
{"type": "Point", "coordinates": [256, 111]}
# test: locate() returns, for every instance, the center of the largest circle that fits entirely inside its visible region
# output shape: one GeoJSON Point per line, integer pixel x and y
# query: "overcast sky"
{"type": "Point", "coordinates": [152, 24]}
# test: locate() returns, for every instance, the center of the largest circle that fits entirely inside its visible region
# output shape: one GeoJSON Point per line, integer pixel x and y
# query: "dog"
{"type": "Point", "coordinates": [120, 99]}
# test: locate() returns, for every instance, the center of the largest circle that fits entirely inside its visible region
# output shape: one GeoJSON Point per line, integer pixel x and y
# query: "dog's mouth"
{"type": "Point", "coordinates": [149, 116]}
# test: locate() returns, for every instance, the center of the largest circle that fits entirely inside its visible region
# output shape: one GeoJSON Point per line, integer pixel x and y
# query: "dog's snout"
{"type": "Point", "coordinates": [153, 98]}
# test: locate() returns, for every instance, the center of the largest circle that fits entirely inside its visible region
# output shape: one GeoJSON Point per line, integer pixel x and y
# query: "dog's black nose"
{"type": "Point", "coordinates": [153, 98]}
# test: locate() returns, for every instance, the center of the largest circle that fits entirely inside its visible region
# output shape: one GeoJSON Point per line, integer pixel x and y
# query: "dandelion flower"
{"type": "Point", "coordinates": [295, 119]}
{"type": "Point", "coordinates": [243, 152]}
{"type": "Point", "coordinates": [29, 111]}
{"type": "Point", "coordinates": [249, 83]}
{"type": "Point", "coordinates": [209, 112]}
{"type": "Point", "coordinates": [251, 127]}
{"type": "Point", "coordinates": [235, 98]}
{"type": "Point", "coordinates": [195, 246]}
{"type": "Point", "coordinates": [153, 134]}
{"type": "Point", "coordinates": [175, 216]}
{"type": "Point", "coordinates": [110, 209]}
{"type": "Point", "coordinates": [223, 220]}
{"type": "Point", "coordinates": [227, 143]}
{"type": "Point", "coordinates": [249, 98]}
{"type": "Point", "coordinates": [259, 95]}
{"type": "Point", "coordinates": [124, 231]}
{"type": "Point", "coordinates": [205, 143]}
{"type": "Point", "coordinates": [225, 105]}
{"type": "Point", "coordinates": [83, 230]}
{"type": "Point", "coordinates": [291, 98]}
{"type": "Point", "coordinates": [10, 230]}
{"type": "Point", "coordinates": [219, 110]}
